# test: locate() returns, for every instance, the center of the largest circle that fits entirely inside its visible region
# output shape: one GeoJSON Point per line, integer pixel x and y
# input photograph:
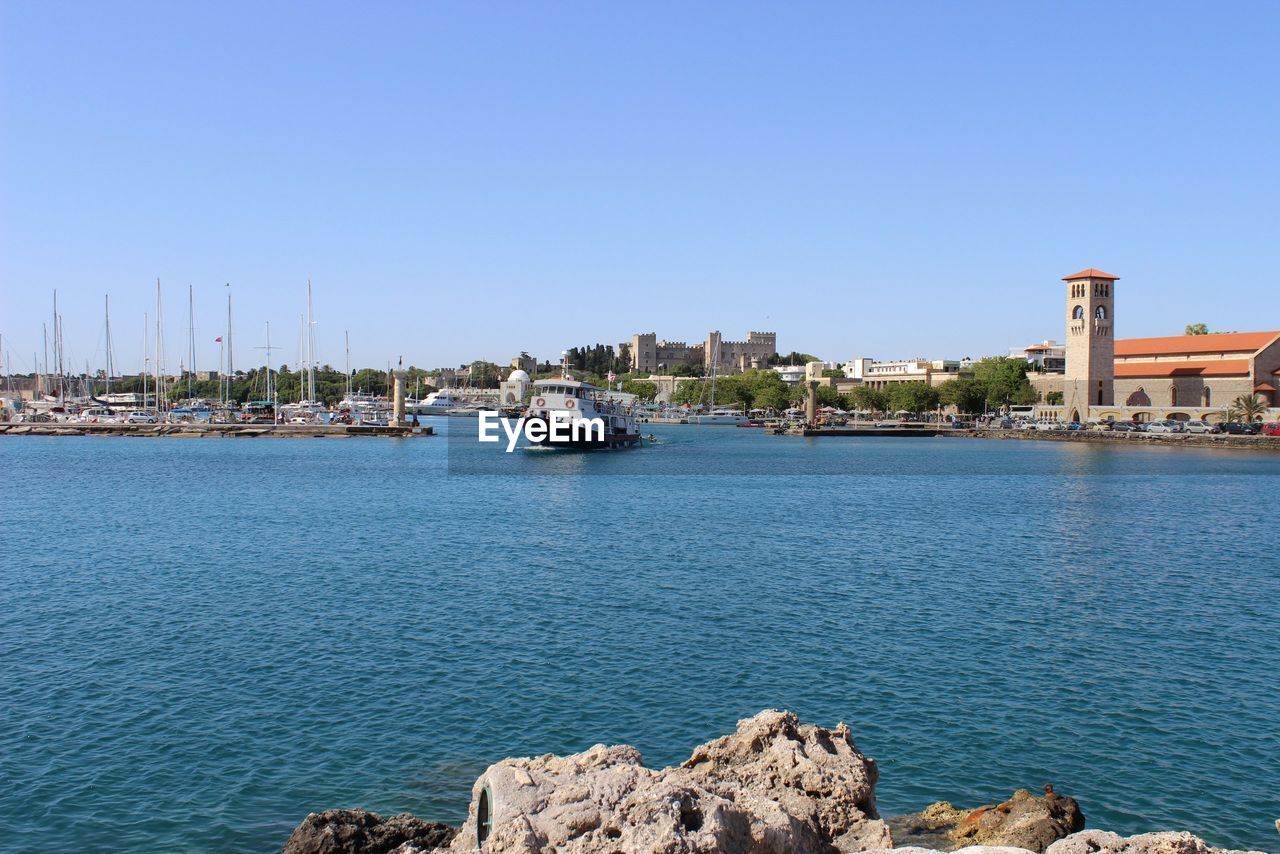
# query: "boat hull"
{"type": "Point", "coordinates": [610, 441]}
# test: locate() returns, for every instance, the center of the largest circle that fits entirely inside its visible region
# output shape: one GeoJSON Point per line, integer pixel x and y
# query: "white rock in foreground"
{"type": "Point", "coordinates": [775, 785]}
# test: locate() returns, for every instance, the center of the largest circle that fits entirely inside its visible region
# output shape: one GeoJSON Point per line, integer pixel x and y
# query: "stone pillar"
{"type": "Point", "coordinates": [397, 406]}
{"type": "Point", "coordinates": [811, 402]}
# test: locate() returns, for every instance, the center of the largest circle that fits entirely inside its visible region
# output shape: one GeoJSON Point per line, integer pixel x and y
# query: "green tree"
{"type": "Point", "coordinates": [1054, 398]}
{"type": "Point", "coordinates": [868, 399]}
{"type": "Point", "coordinates": [484, 374]}
{"type": "Point", "coordinates": [1247, 407]}
{"type": "Point", "coordinates": [913, 397]}
{"type": "Point", "coordinates": [792, 358]}
{"type": "Point", "coordinates": [1005, 380]}
{"type": "Point", "coordinates": [687, 391]}
{"type": "Point", "coordinates": [966, 394]}
{"type": "Point", "coordinates": [772, 398]}
{"type": "Point", "coordinates": [642, 389]}
{"type": "Point", "coordinates": [828, 396]}
{"type": "Point", "coordinates": [1197, 329]}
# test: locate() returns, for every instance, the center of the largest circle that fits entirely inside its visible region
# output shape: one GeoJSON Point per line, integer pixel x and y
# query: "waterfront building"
{"type": "Point", "coordinates": [1178, 377]}
{"type": "Point", "coordinates": [1048, 356]}
{"type": "Point", "coordinates": [882, 374]}
{"type": "Point", "coordinates": [512, 390]}
{"type": "Point", "coordinates": [790, 374]}
{"type": "Point", "coordinates": [648, 353]}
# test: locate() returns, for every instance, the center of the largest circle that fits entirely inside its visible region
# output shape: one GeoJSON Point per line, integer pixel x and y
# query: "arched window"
{"type": "Point", "coordinates": [1173, 395]}
{"type": "Point", "coordinates": [1204, 396]}
{"type": "Point", "coordinates": [1100, 312]}
{"type": "Point", "coordinates": [1077, 313]}
{"type": "Point", "coordinates": [1138, 398]}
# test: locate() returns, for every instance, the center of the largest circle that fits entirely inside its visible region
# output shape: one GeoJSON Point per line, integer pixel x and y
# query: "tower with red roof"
{"type": "Point", "coordinates": [1091, 343]}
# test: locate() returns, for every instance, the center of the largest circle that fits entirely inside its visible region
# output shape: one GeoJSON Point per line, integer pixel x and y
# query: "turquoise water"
{"type": "Point", "coordinates": [203, 640]}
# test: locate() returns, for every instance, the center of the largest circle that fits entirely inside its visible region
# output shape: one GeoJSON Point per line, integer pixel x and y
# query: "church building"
{"type": "Point", "coordinates": [1181, 377]}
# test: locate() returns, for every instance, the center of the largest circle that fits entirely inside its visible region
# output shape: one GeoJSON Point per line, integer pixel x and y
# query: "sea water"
{"type": "Point", "coordinates": [203, 640]}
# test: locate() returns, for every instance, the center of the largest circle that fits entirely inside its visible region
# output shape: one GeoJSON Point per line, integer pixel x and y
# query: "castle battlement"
{"type": "Point", "coordinates": [647, 351]}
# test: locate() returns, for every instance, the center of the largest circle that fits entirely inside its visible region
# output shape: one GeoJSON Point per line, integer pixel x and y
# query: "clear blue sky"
{"type": "Point", "coordinates": [467, 180]}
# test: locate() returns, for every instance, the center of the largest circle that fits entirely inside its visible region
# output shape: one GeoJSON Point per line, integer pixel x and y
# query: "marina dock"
{"type": "Point", "coordinates": [216, 431]}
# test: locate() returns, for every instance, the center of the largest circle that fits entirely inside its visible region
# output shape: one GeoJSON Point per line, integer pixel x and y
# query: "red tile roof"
{"type": "Point", "coordinates": [1176, 345]}
{"type": "Point", "coordinates": [1090, 273]}
{"type": "Point", "coordinates": [1264, 387]}
{"type": "Point", "coordinates": [1201, 368]}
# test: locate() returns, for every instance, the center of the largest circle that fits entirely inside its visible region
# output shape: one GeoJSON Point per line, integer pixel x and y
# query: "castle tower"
{"type": "Point", "coordinates": [1091, 344]}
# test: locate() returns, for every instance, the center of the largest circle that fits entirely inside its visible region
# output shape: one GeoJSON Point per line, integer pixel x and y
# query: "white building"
{"type": "Point", "coordinates": [932, 371]}
{"type": "Point", "coordinates": [1049, 356]}
{"type": "Point", "coordinates": [791, 374]}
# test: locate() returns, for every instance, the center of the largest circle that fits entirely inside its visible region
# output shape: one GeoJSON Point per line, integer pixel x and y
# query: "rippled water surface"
{"type": "Point", "coordinates": [203, 640]}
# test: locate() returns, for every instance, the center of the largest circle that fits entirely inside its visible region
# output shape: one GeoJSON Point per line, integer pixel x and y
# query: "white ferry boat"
{"type": "Point", "coordinates": [582, 400]}
{"type": "Point", "coordinates": [436, 403]}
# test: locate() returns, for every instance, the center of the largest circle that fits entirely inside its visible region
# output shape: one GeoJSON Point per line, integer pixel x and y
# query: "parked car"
{"type": "Point", "coordinates": [142, 418]}
{"type": "Point", "coordinates": [1165, 427]}
{"type": "Point", "coordinates": [1048, 425]}
{"type": "Point", "coordinates": [1125, 427]}
{"type": "Point", "coordinates": [1271, 429]}
{"type": "Point", "coordinates": [1202, 427]}
{"type": "Point", "coordinates": [1240, 428]}
{"type": "Point", "coordinates": [1075, 425]}
{"type": "Point", "coordinates": [1099, 426]}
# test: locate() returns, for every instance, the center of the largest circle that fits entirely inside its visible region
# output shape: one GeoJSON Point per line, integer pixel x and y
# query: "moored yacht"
{"type": "Point", "coordinates": [720, 416]}
{"type": "Point", "coordinates": [436, 403]}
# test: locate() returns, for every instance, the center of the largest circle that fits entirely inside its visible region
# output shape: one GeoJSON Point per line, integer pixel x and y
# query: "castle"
{"type": "Point", "coordinates": [650, 354]}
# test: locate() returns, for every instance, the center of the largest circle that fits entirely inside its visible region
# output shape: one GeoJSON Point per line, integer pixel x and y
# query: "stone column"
{"type": "Point", "coordinates": [397, 406]}
{"type": "Point", "coordinates": [811, 402]}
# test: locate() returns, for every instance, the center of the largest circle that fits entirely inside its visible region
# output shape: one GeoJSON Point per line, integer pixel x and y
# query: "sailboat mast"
{"type": "Point", "coordinates": [57, 347]}
{"type": "Point", "coordinates": [230, 368]}
{"type": "Point", "coordinates": [311, 347]}
{"type": "Point", "coordinates": [159, 366]}
{"type": "Point", "coordinates": [272, 391]}
{"type": "Point", "coordinates": [191, 340]}
{"type": "Point", "coordinates": [347, 336]}
{"type": "Point", "coordinates": [45, 371]}
{"type": "Point", "coordinates": [107, 313]}
{"type": "Point", "coordinates": [146, 324]}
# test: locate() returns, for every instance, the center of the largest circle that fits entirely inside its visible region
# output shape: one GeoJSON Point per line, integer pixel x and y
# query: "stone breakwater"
{"type": "Point", "coordinates": [774, 785]}
{"type": "Point", "coordinates": [1175, 440]}
{"type": "Point", "coordinates": [214, 431]}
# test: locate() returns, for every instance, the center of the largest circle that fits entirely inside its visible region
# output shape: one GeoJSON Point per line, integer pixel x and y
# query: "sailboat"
{"type": "Point", "coordinates": [723, 415]}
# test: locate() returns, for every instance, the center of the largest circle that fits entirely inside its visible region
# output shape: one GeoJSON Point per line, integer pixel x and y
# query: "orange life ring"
{"type": "Point", "coordinates": [568, 404]}
{"type": "Point", "coordinates": [542, 401]}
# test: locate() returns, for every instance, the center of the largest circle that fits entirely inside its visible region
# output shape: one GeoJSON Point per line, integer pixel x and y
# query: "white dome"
{"type": "Point", "coordinates": [518, 376]}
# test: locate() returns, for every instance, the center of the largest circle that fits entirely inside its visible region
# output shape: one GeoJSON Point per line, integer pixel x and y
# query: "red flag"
{"type": "Point", "coordinates": [218, 340]}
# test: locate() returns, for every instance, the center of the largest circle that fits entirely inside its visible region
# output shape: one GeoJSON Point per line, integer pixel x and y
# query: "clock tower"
{"type": "Point", "coordinates": [1091, 344]}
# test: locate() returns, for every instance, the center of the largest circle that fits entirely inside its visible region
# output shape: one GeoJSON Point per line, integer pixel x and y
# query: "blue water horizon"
{"type": "Point", "coordinates": [206, 639]}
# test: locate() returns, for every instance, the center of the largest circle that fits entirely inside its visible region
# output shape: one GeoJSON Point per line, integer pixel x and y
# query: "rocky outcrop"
{"type": "Point", "coordinates": [1094, 842]}
{"type": "Point", "coordinates": [363, 832]}
{"type": "Point", "coordinates": [774, 785]}
{"type": "Point", "coordinates": [1024, 821]}
{"type": "Point", "coordinates": [1103, 842]}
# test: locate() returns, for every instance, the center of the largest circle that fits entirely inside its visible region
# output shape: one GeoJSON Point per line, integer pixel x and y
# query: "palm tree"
{"type": "Point", "coordinates": [1247, 407]}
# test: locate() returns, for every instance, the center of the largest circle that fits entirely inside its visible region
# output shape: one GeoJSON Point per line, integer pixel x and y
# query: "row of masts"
{"type": "Point", "coordinates": [153, 373]}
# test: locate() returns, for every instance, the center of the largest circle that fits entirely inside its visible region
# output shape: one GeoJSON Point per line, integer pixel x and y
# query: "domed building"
{"type": "Point", "coordinates": [512, 390]}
